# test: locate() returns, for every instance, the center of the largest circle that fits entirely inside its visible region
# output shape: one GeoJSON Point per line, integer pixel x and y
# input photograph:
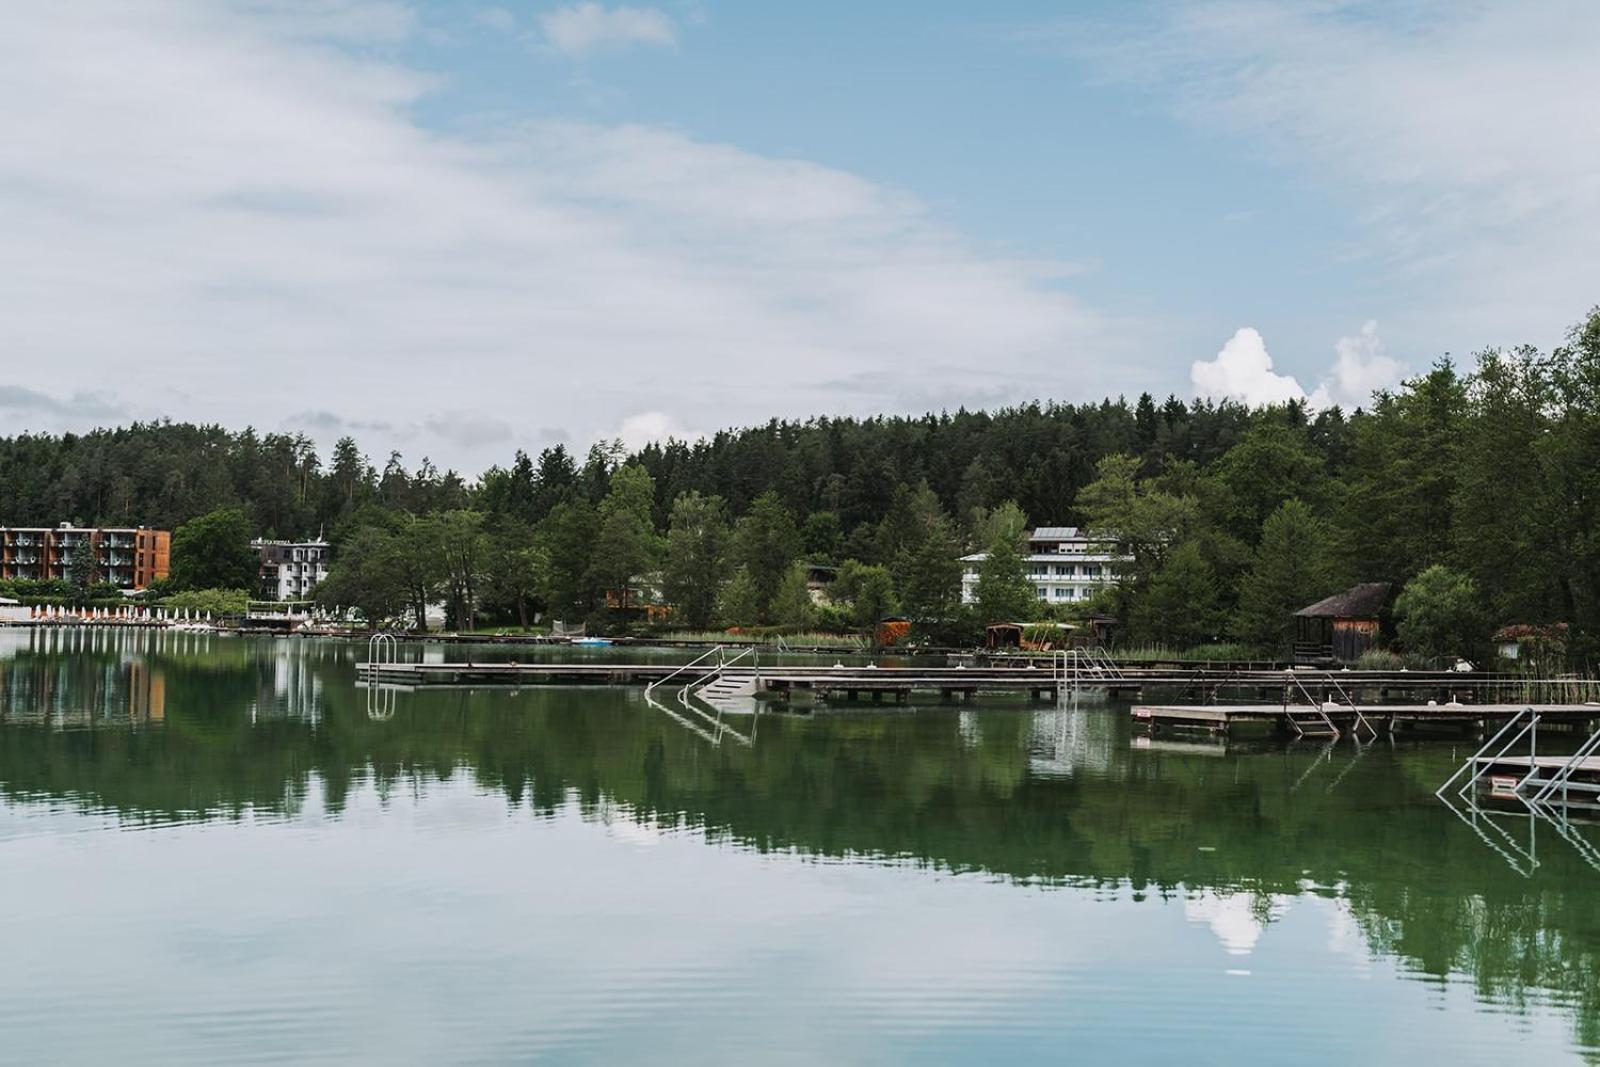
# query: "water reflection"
{"type": "Point", "coordinates": [174, 729]}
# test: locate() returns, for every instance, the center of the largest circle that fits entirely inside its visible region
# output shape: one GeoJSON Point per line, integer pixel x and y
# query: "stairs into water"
{"type": "Point", "coordinates": [715, 687]}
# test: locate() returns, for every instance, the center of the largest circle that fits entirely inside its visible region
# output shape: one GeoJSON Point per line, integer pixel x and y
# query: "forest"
{"type": "Point", "coordinates": [1472, 488]}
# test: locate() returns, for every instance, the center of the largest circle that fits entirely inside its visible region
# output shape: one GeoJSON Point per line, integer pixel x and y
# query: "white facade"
{"type": "Point", "coordinates": [1065, 564]}
{"type": "Point", "coordinates": [291, 569]}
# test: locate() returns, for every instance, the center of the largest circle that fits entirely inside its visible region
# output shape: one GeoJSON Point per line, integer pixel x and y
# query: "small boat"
{"type": "Point", "coordinates": [591, 642]}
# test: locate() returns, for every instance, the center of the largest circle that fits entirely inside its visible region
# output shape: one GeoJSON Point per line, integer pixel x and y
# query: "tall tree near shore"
{"type": "Point", "coordinates": [1181, 608]}
{"type": "Point", "coordinates": [625, 544]}
{"type": "Point", "coordinates": [738, 602]}
{"type": "Point", "coordinates": [1271, 463]}
{"type": "Point", "coordinates": [866, 590]}
{"type": "Point", "coordinates": [568, 534]}
{"type": "Point", "coordinates": [463, 551]}
{"type": "Point", "coordinates": [766, 544]}
{"type": "Point", "coordinates": [554, 482]}
{"type": "Point", "coordinates": [930, 582]}
{"type": "Point", "coordinates": [1439, 612]}
{"type": "Point", "coordinates": [1293, 567]}
{"type": "Point", "coordinates": [83, 568]}
{"type": "Point", "coordinates": [368, 575]}
{"type": "Point", "coordinates": [518, 567]}
{"type": "Point", "coordinates": [418, 560]}
{"type": "Point", "coordinates": [1005, 592]}
{"type": "Point", "coordinates": [213, 552]}
{"type": "Point", "coordinates": [1572, 483]}
{"type": "Point", "coordinates": [696, 557]}
{"type": "Point", "coordinates": [1405, 455]}
{"type": "Point", "coordinates": [791, 604]}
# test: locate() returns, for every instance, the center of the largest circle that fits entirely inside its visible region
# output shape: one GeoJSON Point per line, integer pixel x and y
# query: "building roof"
{"type": "Point", "coordinates": [1053, 533]}
{"type": "Point", "coordinates": [1364, 601]}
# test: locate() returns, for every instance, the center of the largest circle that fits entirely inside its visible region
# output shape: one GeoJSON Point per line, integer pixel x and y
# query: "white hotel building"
{"type": "Point", "coordinates": [291, 569]}
{"type": "Point", "coordinates": [1064, 562]}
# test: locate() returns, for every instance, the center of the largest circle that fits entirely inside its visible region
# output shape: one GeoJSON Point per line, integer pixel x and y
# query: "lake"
{"type": "Point", "coordinates": [219, 849]}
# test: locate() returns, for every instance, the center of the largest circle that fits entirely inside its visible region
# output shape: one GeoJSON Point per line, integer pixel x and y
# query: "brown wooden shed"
{"type": "Point", "coordinates": [1341, 627]}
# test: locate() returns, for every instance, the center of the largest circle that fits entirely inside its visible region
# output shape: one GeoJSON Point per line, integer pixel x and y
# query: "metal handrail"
{"type": "Point", "coordinates": [1361, 720]}
{"type": "Point", "coordinates": [724, 664]}
{"type": "Point", "coordinates": [1477, 757]}
{"type": "Point", "coordinates": [1561, 776]}
{"type": "Point", "coordinates": [382, 650]}
{"type": "Point", "coordinates": [1321, 711]}
{"type": "Point", "coordinates": [716, 650]}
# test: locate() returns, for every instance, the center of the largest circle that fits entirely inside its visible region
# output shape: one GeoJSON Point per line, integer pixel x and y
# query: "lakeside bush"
{"type": "Point", "coordinates": [214, 601]}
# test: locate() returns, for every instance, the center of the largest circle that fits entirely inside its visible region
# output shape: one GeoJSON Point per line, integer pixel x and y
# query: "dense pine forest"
{"type": "Point", "coordinates": [1475, 489]}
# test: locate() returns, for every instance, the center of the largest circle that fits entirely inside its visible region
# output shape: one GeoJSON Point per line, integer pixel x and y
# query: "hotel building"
{"type": "Point", "coordinates": [289, 569]}
{"type": "Point", "coordinates": [1064, 563]}
{"type": "Point", "coordinates": [127, 557]}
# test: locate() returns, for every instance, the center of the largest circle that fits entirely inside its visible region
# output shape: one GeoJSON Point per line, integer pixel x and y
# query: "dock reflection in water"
{"type": "Point", "coordinates": [252, 864]}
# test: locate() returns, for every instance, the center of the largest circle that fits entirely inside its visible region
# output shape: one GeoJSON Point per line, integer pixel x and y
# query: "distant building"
{"type": "Point", "coordinates": [1535, 642]}
{"type": "Point", "coordinates": [291, 569]}
{"type": "Point", "coordinates": [1064, 562]}
{"type": "Point", "coordinates": [128, 557]}
{"type": "Point", "coordinates": [1341, 627]}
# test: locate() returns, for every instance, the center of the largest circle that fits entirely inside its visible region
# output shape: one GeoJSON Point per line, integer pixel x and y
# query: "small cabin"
{"type": "Point", "coordinates": [1028, 636]}
{"type": "Point", "coordinates": [891, 631]}
{"type": "Point", "coordinates": [1546, 643]}
{"type": "Point", "coordinates": [1339, 628]}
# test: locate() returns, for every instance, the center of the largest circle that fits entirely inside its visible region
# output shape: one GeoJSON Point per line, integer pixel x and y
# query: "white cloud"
{"type": "Point", "coordinates": [589, 26]}
{"type": "Point", "coordinates": [649, 427]}
{"type": "Point", "coordinates": [1360, 368]}
{"type": "Point", "coordinates": [1237, 919]}
{"type": "Point", "coordinates": [1243, 371]}
{"type": "Point", "coordinates": [255, 221]}
{"type": "Point", "coordinates": [1457, 133]}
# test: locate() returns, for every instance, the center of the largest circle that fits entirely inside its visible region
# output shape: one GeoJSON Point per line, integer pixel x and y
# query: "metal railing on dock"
{"type": "Point", "coordinates": [686, 695]}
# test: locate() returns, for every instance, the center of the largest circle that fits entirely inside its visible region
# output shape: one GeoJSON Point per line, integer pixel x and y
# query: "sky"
{"type": "Point", "coordinates": [455, 228]}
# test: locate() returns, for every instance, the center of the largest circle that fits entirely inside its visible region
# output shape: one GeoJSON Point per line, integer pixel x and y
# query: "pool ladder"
{"type": "Point", "coordinates": [716, 681]}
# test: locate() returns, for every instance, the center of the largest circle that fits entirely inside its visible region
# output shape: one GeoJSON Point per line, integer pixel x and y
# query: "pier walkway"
{"type": "Point", "coordinates": [1223, 718]}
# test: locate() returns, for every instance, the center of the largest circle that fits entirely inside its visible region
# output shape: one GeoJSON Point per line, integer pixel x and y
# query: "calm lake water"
{"type": "Point", "coordinates": [216, 850]}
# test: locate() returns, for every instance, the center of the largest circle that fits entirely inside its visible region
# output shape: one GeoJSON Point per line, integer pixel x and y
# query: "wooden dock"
{"type": "Point", "coordinates": [1223, 718]}
{"type": "Point", "coordinates": [837, 682]}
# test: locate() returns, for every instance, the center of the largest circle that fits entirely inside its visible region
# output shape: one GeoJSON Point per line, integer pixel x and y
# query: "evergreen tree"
{"type": "Point", "coordinates": [822, 536]}
{"type": "Point", "coordinates": [739, 602]}
{"type": "Point", "coordinates": [696, 557]}
{"type": "Point", "coordinates": [1005, 592]}
{"type": "Point", "coordinates": [83, 569]}
{"type": "Point", "coordinates": [866, 590]}
{"type": "Point", "coordinates": [792, 606]}
{"type": "Point", "coordinates": [1181, 607]}
{"type": "Point", "coordinates": [932, 576]}
{"type": "Point", "coordinates": [767, 542]}
{"type": "Point", "coordinates": [568, 535]}
{"type": "Point", "coordinates": [555, 481]}
{"type": "Point", "coordinates": [1293, 567]}
{"type": "Point", "coordinates": [625, 543]}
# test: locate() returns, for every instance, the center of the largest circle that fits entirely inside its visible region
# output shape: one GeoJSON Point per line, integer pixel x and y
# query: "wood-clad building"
{"type": "Point", "coordinates": [1341, 627]}
{"type": "Point", "coordinates": [128, 557]}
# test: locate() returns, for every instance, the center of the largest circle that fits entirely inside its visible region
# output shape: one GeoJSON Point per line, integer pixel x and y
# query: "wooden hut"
{"type": "Point", "coordinates": [1339, 628]}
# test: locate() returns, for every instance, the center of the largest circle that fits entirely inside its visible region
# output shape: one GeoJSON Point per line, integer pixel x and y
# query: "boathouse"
{"type": "Point", "coordinates": [1341, 627]}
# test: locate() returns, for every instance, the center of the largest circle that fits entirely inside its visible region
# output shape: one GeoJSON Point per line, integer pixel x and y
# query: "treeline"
{"type": "Point", "coordinates": [1476, 490]}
